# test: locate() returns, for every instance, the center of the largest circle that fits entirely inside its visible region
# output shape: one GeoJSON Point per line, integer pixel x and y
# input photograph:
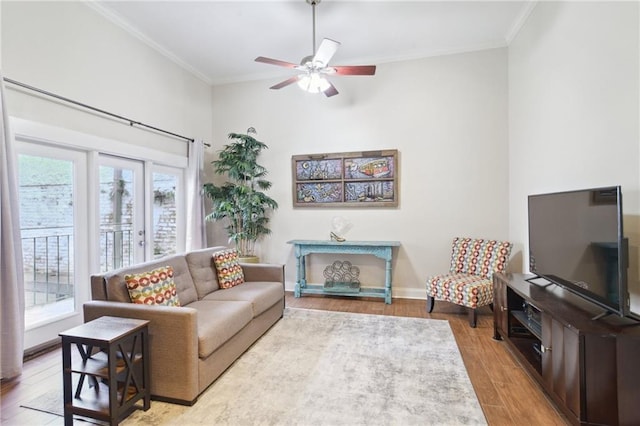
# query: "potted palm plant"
{"type": "Point", "coordinates": [240, 202]}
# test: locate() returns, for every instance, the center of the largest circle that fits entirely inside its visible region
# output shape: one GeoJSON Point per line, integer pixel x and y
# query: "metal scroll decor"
{"type": "Point", "coordinates": [342, 276]}
{"type": "Point", "coordinates": [350, 179]}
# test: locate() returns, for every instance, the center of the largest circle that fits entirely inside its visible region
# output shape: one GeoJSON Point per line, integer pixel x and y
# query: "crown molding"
{"type": "Point", "coordinates": [117, 20]}
{"type": "Point", "coordinates": [520, 21]}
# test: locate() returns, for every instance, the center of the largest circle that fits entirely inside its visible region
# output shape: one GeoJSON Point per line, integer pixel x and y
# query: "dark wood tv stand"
{"type": "Point", "coordinates": [588, 367]}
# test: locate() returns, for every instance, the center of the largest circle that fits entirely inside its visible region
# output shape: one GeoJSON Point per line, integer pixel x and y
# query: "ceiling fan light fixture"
{"type": "Point", "coordinates": [313, 82]}
{"type": "Point", "coordinates": [313, 68]}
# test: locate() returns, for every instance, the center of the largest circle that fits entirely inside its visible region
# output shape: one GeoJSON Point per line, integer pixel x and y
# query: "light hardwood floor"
{"type": "Point", "coordinates": [507, 394]}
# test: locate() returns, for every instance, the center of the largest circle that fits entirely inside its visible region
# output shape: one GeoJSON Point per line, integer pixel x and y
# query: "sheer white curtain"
{"type": "Point", "coordinates": [196, 235]}
{"type": "Point", "coordinates": [11, 278]}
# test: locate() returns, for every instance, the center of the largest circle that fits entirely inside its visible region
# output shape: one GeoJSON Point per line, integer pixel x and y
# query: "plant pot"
{"type": "Point", "coordinates": [249, 259]}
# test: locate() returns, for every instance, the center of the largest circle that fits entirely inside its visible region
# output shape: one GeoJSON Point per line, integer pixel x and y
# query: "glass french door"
{"type": "Point", "coordinates": [167, 236]}
{"type": "Point", "coordinates": [122, 234]}
{"type": "Point", "coordinates": [139, 211]}
{"type": "Point", "coordinates": [83, 211]}
{"type": "Point", "coordinates": [52, 192]}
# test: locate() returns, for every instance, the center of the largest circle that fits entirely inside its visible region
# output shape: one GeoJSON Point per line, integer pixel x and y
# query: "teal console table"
{"type": "Point", "coordinates": [381, 249]}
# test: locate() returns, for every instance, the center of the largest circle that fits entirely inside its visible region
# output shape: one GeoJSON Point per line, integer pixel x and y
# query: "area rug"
{"type": "Point", "coordinates": [333, 368]}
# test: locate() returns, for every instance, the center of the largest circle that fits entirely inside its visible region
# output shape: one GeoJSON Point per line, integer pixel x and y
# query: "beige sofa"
{"type": "Point", "coordinates": [191, 345]}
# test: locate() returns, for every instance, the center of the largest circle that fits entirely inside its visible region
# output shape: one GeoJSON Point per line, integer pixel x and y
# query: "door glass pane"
{"type": "Point", "coordinates": [164, 214]}
{"type": "Point", "coordinates": [46, 195]}
{"type": "Point", "coordinates": [116, 218]}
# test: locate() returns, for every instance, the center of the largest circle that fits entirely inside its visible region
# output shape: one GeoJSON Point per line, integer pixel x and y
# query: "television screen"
{"type": "Point", "coordinates": [576, 241]}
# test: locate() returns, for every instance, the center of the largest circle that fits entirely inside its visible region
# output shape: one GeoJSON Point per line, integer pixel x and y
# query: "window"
{"type": "Point", "coordinates": [166, 184]}
{"type": "Point", "coordinates": [121, 212]}
{"type": "Point", "coordinates": [51, 192]}
{"type": "Point", "coordinates": [88, 205]}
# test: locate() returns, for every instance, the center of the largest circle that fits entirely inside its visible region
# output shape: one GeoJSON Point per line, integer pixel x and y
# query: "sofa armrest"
{"type": "Point", "coordinates": [263, 272]}
{"type": "Point", "coordinates": [173, 344]}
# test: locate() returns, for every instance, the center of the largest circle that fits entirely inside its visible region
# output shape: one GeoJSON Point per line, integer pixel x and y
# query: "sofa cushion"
{"type": "Point", "coordinates": [467, 290]}
{"type": "Point", "coordinates": [262, 295]}
{"type": "Point", "coordinates": [218, 322]}
{"type": "Point", "coordinates": [153, 288]}
{"type": "Point", "coordinates": [116, 288]}
{"type": "Point", "coordinates": [200, 263]}
{"type": "Point", "coordinates": [228, 269]}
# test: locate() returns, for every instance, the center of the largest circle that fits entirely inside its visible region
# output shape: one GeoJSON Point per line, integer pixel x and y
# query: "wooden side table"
{"type": "Point", "coordinates": [113, 356]}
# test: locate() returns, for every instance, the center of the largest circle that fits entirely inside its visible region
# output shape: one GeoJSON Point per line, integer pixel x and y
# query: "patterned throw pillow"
{"type": "Point", "coordinates": [229, 270]}
{"type": "Point", "coordinates": [153, 288]}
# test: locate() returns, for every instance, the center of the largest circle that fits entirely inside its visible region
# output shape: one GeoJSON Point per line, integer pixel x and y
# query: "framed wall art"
{"type": "Point", "coordinates": [346, 179]}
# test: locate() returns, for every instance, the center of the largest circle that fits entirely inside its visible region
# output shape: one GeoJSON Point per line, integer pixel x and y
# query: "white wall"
{"type": "Point", "coordinates": [473, 141]}
{"type": "Point", "coordinates": [574, 110]}
{"type": "Point", "coordinates": [447, 116]}
{"type": "Point", "coordinates": [70, 49]}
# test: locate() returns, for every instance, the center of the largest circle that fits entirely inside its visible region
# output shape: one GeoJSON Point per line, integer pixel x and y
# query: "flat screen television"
{"type": "Point", "coordinates": [576, 241]}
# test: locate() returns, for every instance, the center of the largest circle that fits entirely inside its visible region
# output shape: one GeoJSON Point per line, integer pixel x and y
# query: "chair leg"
{"type": "Point", "coordinates": [430, 303]}
{"type": "Point", "coordinates": [472, 317]}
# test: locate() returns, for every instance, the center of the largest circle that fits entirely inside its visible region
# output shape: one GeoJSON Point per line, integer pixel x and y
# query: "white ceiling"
{"type": "Point", "coordinates": [219, 40]}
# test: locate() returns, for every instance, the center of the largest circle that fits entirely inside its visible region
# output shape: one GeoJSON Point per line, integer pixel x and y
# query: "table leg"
{"type": "Point", "coordinates": [112, 361]}
{"type": "Point", "coordinates": [387, 281]}
{"type": "Point", "coordinates": [303, 279]}
{"type": "Point", "coordinates": [296, 292]}
{"type": "Point", "coordinates": [145, 369]}
{"type": "Point", "coordinates": [66, 382]}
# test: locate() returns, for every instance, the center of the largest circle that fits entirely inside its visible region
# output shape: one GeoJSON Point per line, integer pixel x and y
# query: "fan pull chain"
{"type": "Point", "coordinates": [313, 17]}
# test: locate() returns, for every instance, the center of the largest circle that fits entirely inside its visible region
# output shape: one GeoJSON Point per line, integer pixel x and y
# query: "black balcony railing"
{"type": "Point", "coordinates": [116, 246]}
{"type": "Point", "coordinates": [48, 268]}
{"type": "Point", "coordinates": [47, 255]}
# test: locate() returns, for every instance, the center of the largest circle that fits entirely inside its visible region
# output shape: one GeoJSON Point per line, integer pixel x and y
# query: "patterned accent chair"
{"type": "Point", "coordinates": [469, 281]}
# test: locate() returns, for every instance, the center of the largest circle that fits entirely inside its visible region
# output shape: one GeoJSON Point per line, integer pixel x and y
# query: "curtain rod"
{"type": "Point", "coordinates": [101, 111]}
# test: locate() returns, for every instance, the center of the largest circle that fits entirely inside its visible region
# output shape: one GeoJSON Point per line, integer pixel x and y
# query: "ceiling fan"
{"type": "Point", "coordinates": [314, 68]}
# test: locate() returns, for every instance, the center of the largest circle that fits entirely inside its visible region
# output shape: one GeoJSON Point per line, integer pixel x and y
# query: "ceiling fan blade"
{"type": "Point", "coordinates": [331, 91]}
{"type": "Point", "coordinates": [355, 70]}
{"type": "Point", "coordinates": [285, 83]}
{"type": "Point", "coordinates": [326, 51]}
{"type": "Point", "coordinates": [275, 62]}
